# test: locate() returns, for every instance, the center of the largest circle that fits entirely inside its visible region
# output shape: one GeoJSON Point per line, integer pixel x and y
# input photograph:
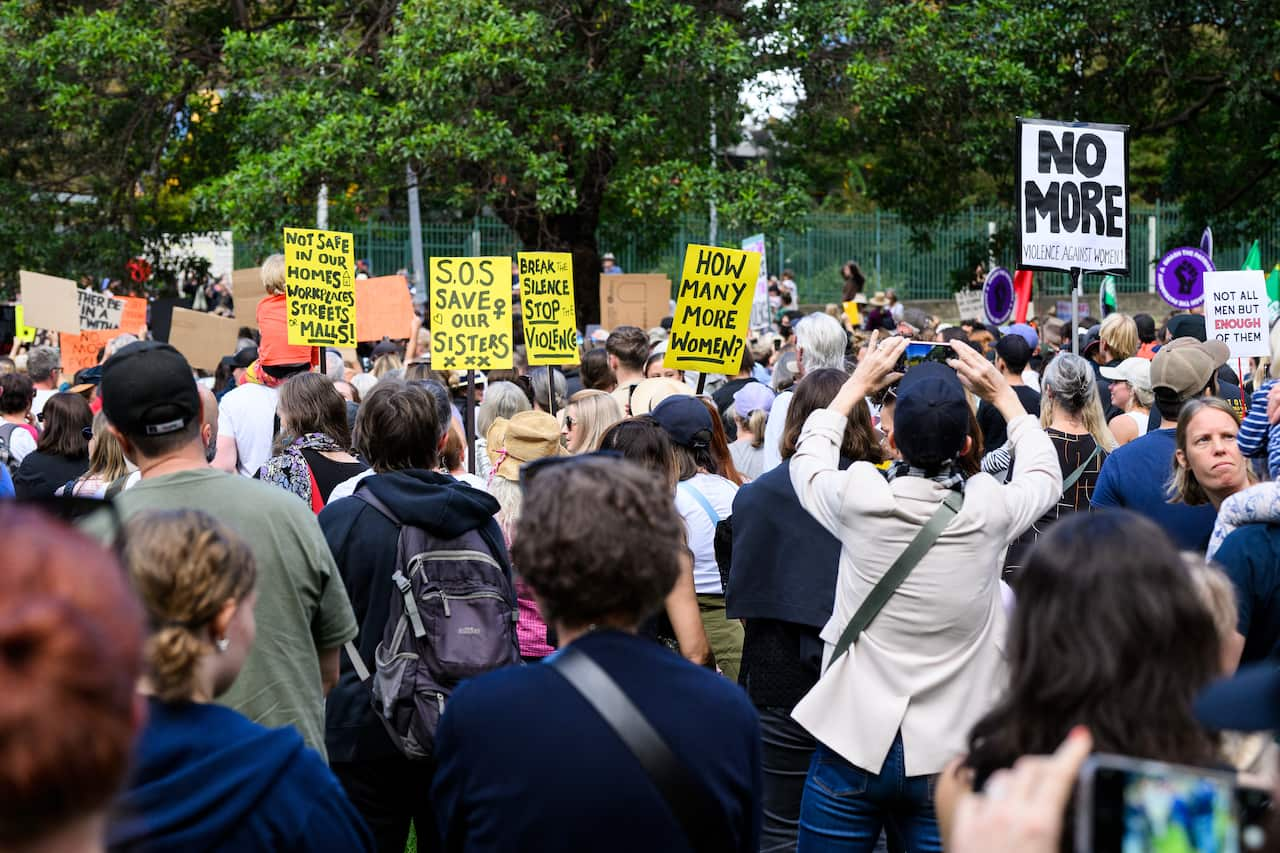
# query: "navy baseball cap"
{"type": "Point", "coordinates": [686, 420]}
{"type": "Point", "coordinates": [148, 390]}
{"type": "Point", "coordinates": [931, 419]}
{"type": "Point", "coordinates": [1248, 701]}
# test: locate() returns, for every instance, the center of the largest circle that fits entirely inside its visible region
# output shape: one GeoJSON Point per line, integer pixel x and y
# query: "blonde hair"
{"type": "Point", "coordinates": [1068, 382]}
{"type": "Point", "coordinates": [184, 566]}
{"type": "Point", "coordinates": [272, 273]}
{"type": "Point", "coordinates": [1120, 333]}
{"type": "Point", "coordinates": [1215, 590]}
{"type": "Point", "coordinates": [754, 424]}
{"type": "Point", "coordinates": [385, 364]}
{"type": "Point", "coordinates": [510, 500]}
{"type": "Point", "coordinates": [501, 400]}
{"type": "Point", "coordinates": [106, 460]}
{"type": "Point", "coordinates": [596, 411]}
{"type": "Point", "coordinates": [1183, 486]}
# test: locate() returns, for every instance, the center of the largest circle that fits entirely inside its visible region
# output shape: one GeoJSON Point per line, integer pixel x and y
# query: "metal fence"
{"type": "Point", "coordinates": [881, 243]}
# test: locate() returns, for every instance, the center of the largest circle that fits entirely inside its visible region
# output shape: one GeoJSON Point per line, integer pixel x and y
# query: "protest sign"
{"type": "Point", "coordinates": [1073, 196]}
{"type": "Point", "coordinates": [850, 310]}
{"type": "Point", "coordinates": [246, 292]}
{"type": "Point", "coordinates": [1062, 310]}
{"type": "Point", "coordinates": [760, 301]}
{"type": "Point", "coordinates": [1235, 311]}
{"type": "Point", "coordinates": [1180, 277]}
{"type": "Point", "coordinates": [470, 313]}
{"type": "Point", "coordinates": [969, 304]}
{"type": "Point", "coordinates": [713, 307]}
{"type": "Point", "coordinates": [81, 351]}
{"type": "Point", "coordinates": [319, 283]}
{"type": "Point", "coordinates": [21, 331]}
{"type": "Point", "coordinates": [99, 311]}
{"type": "Point", "coordinates": [634, 300]}
{"type": "Point", "coordinates": [49, 302]}
{"type": "Point", "coordinates": [547, 307]}
{"type": "Point", "coordinates": [133, 319]}
{"type": "Point", "coordinates": [202, 337]}
{"type": "Point", "coordinates": [384, 308]}
{"type": "Point", "coordinates": [998, 296]}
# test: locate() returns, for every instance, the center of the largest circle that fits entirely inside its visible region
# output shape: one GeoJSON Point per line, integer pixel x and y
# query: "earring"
{"type": "Point", "coordinates": [222, 644]}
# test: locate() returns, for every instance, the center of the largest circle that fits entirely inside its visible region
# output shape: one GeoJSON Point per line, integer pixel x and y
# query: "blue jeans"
{"type": "Point", "coordinates": [845, 808]}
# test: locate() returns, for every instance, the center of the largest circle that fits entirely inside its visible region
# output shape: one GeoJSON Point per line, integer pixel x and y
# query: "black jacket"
{"type": "Point", "coordinates": [363, 542]}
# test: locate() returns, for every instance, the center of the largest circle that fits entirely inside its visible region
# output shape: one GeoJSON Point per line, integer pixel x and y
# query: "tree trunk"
{"type": "Point", "coordinates": [564, 233]}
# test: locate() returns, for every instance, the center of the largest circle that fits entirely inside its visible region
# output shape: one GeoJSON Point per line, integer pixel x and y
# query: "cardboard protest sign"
{"type": "Point", "coordinates": [634, 300]}
{"type": "Point", "coordinates": [470, 313]}
{"type": "Point", "coordinates": [81, 351]}
{"type": "Point", "coordinates": [49, 302]}
{"type": "Point", "coordinates": [1235, 311]}
{"type": "Point", "coordinates": [99, 311]}
{"type": "Point", "coordinates": [133, 319]}
{"type": "Point", "coordinates": [760, 301]}
{"type": "Point", "coordinates": [969, 304]}
{"type": "Point", "coordinates": [1073, 196]}
{"type": "Point", "coordinates": [202, 337]}
{"type": "Point", "coordinates": [713, 307]}
{"type": "Point", "coordinates": [246, 292]}
{"type": "Point", "coordinates": [384, 308]}
{"type": "Point", "coordinates": [21, 331]}
{"type": "Point", "coordinates": [546, 300]}
{"type": "Point", "coordinates": [1180, 276]}
{"type": "Point", "coordinates": [319, 281]}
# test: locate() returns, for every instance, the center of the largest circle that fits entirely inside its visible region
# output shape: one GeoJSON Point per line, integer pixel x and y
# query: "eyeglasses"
{"type": "Point", "coordinates": [40, 417]}
{"type": "Point", "coordinates": [569, 421]}
{"type": "Point", "coordinates": [87, 432]}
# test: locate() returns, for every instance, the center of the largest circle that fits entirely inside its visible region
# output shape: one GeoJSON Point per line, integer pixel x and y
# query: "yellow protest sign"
{"type": "Point", "coordinates": [470, 313]}
{"type": "Point", "coordinates": [851, 311]}
{"type": "Point", "coordinates": [21, 331]}
{"type": "Point", "coordinates": [320, 287]}
{"type": "Point", "coordinates": [546, 306]}
{"type": "Point", "coordinates": [713, 307]}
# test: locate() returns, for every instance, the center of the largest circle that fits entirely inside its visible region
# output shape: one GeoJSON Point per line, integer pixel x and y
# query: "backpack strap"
{"type": "Point", "coordinates": [1075, 475]}
{"type": "Point", "coordinates": [372, 500]}
{"type": "Point", "coordinates": [898, 572]}
{"type": "Point", "coordinates": [687, 798]}
{"type": "Point", "coordinates": [692, 491]}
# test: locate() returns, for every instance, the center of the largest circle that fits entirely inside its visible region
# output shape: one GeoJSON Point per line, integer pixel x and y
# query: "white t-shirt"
{"type": "Point", "coordinates": [720, 493]}
{"type": "Point", "coordinates": [248, 414]}
{"type": "Point", "coordinates": [42, 394]}
{"type": "Point", "coordinates": [347, 487]}
{"type": "Point", "coordinates": [773, 429]}
{"type": "Point", "coordinates": [20, 443]}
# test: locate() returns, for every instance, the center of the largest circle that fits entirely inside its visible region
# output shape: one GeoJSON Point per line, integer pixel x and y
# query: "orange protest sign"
{"type": "Point", "coordinates": [384, 308]}
{"type": "Point", "coordinates": [81, 351]}
{"type": "Point", "coordinates": [134, 317]}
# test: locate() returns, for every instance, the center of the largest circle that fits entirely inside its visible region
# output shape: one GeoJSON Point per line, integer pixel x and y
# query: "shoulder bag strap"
{"type": "Point", "coordinates": [1075, 475]}
{"type": "Point", "coordinates": [692, 491]}
{"type": "Point", "coordinates": [898, 572]}
{"type": "Point", "coordinates": [688, 799]}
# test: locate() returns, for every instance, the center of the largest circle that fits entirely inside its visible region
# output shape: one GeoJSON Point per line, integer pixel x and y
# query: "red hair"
{"type": "Point", "coordinates": [71, 635]}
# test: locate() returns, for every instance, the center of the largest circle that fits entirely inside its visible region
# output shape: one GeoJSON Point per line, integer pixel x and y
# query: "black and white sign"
{"type": "Point", "coordinates": [1073, 196]}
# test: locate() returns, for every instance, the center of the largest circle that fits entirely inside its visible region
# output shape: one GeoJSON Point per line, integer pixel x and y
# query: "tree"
{"type": "Point", "coordinates": [551, 113]}
{"type": "Point", "coordinates": [919, 98]}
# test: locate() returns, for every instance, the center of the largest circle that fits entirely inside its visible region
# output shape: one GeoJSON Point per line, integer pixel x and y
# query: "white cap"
{"type": "Point", "coordinates": [1136, 371]}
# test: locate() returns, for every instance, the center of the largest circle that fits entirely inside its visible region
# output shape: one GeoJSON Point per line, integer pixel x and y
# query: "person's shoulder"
{"type": "Point", "coordinates": [1250, 541]}
{"type": "Point", "coordinates": [476, 700]}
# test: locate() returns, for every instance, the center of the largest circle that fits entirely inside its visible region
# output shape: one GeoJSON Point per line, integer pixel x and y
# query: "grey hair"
{"type": "Point", "coordinates": [539, 377]}
{"type": "Point", "coordinates": [118, 343]}
{"type": "Point", "coordinates": [443, 402]}
{"type": "Point", "coordinates": [501, 400]}
{"type": "Point", "coordinates": [333, 366]}
{"type": "Point", "coordinates": [1068, 382]}
{"type": "Point", "coordinates": [42, 362]}
{"type": "Point", "coordinates": [823, 340]}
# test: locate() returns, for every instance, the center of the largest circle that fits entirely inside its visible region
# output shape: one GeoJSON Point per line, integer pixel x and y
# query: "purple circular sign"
{"type": "Point", "coordinates": [997, 296]}
{"type": "Point", "coordinates": [1180, 277]}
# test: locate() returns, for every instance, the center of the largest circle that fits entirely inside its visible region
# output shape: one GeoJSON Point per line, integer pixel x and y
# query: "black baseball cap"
{"type": "Point", "coordinates": [931, 420]}
{"type": "Point", "coordinates": [1186, 326]}
{"type": "Point", "coordinates": [686, 420]}
{"type": "Point", "coordinates": [148, 390]}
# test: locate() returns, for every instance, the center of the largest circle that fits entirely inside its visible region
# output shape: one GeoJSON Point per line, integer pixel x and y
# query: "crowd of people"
{"type": "Point", "coordinates": [835, 601]}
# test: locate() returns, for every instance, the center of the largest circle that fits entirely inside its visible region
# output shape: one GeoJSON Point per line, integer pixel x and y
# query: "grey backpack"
{"type": "Point", "coordinates": [6, 449]}
{"type": "Point", "coordinates": [453, 615]}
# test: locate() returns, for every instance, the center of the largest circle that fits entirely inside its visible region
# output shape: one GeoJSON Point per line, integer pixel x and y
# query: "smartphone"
{"type": "Point", "coordinates": [918, 352]}
{"type": "Point", "coordinates": [1128, 804]}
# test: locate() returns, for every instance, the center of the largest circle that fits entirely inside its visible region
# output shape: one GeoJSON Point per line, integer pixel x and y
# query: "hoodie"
{"type": "Point", "coordinates": [363, 542]}
{"type": "Point", "coordinates": [207, 778]}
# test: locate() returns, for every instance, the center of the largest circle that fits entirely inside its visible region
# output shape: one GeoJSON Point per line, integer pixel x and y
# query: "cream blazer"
{"type": "Point", "coordinates": [932, 662]}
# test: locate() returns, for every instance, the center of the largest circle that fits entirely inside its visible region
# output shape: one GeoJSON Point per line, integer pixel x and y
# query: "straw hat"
{"type": "Point", "coordinates": [651, 392]}
{"type": "Point", "coordinates": [879, 300]}
{"type": "Point", "coordinates": [525, 437]}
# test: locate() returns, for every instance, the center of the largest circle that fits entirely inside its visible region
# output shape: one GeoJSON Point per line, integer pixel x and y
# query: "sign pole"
{"type": "Point", "coordinates": [1075, 310]}
{"type": "Point", "coordinates": [702, 382]}
{"type": "Point", "coordinates": [471, 421]}
{"type": "Point", "coordinates": [551, 391]}
{"type": "Point", "coordinates": [1244, 398]}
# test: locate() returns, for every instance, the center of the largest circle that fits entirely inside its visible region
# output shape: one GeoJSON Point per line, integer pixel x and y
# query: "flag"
{"type": "Point", "coordinates": [1107, 296]}
{"type": "Point", "coordinates": [1253, 261]}
{"type": "Point", "coordinates": [1021, 295]}
{"type": "Point", "coordinates": [1273, 284]}
{"type": "Point", "coordinates": [1206, 242]}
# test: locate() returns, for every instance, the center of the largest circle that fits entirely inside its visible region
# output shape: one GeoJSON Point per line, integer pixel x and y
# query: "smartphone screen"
{"type": "Point", "coordinates": [1125, 805]}
{"type": "Point", "coordinates": [919, 352]}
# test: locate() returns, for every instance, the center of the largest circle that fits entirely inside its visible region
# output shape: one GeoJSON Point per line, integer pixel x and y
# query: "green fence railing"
{"type": "Point", "coordinates": [880, 242]}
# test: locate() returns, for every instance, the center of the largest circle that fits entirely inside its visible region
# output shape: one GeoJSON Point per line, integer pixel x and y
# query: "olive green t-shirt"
{"type": "Point", "coordinates": [302, 604]}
